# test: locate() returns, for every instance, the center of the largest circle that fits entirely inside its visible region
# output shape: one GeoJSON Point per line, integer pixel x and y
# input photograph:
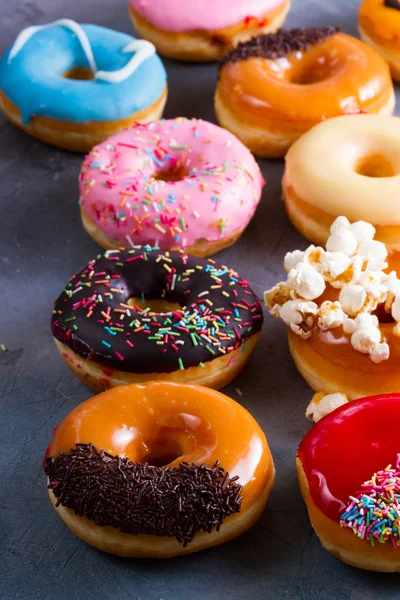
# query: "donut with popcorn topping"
{"type": "Point", "coordinates": [348, 467]}
{"type": "Point", "coordinates": [342, 308]}
{"type": "Point", "coordinates": [138, 315]}
{"type": "Point", "coordinates": [177, 183]}
{"type": "Point", "coordinates": [73, 85]}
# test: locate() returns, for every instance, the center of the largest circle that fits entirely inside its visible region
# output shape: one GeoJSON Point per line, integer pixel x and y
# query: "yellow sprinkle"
{"type": "Point", "coordinates": [225, 293]}
{"type": "Point", "coordinates": [167, 268]}
{"type": "Point", "coordinates": [160, 229]}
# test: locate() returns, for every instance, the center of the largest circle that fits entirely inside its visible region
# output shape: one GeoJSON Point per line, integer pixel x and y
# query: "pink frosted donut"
{"type": "Point", "coordinates": [204, 29]}
{"type": "Point", "coordinates": [173, 184]}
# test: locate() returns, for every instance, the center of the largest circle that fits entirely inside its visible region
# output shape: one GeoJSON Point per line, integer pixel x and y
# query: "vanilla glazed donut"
{"type": "Point", "coordinates": [379, 26]}
{"type": "Point", "coordinates": [175, 183]}
{"type": "Point", "coordinates": [342, 309]}
{"type": "Point", "coordinates": [158, 470]}
{"type": "Point", "coordinates": [202, 30]}
{"type": "Point", "coordinates": [73, 85]}
{"type": "Point", "coordinates": [139, 315]}
{"type": "Point", "coordinates": [273, 88]}
{"type": "Point", "coordinates": [348, 466]}
{"type": "Point", "coordinates": [356, 174]}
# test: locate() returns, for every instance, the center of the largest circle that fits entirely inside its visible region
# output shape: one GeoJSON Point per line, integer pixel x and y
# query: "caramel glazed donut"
{"type": "Point", "coordinates": [356, 175]}
{"type": "Point", "coordinates": [349, 473]}
{"type": "Point", "coordinates": [135, 471]}
{"type": "Point", "coordinates": [275, 87]}
{"type": "Point", "coordinates": [53, 75]}
{"type": "Point", "coordinates": [343, 313]}
{"type": "Point", "coordinates": [137, 315]}
{"type": "Point", "coordinates": [379, 26]}
{"type": "Point", "coordinates": [201, 31]}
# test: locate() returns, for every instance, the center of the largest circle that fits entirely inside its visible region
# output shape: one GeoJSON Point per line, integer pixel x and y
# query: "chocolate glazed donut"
{"type": "Point", "coordinates": [105, 316]}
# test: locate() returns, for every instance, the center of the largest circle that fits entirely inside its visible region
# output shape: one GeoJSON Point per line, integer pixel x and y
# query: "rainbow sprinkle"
{"type": "Point", "coordinates": [374, 513]}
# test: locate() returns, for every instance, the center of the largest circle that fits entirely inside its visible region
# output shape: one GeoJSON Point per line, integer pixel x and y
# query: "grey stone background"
{"type": "Point", "coordinates": [42, 244]}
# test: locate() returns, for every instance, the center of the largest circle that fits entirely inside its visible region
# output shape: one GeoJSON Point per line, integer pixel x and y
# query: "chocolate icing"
{"type": "Point", "coordinates": [392, 4]}
{"type": "Point", "coordinates": [138, 498]}
{"type": "Point", "coordinates": [281, 43]}
{"type": "Point", "coordinates": [92, 317]}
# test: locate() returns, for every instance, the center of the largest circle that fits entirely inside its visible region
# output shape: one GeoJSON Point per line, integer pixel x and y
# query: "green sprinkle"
{"type": "Point", "coordinates": [180, 363]}
{"type": "Point", "coordinates": [70, 319]}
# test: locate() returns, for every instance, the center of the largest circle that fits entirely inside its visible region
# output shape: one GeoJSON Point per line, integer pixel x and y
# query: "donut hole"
{"type": "Point", "coordinates": [165, 448]}
{"type": "Point", "coordinates": [171, 175]}
{"type": "Point", "coordinates": [375, 165]}
{"type": "Point", "coordinates": [307, 73]}
{"type": "Point", "coordinates": [79, 74]}
{"type": "Point", "coordinates": [156, 305]}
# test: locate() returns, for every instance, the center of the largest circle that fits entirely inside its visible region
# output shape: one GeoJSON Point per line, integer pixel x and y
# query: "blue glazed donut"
{"type": "Point", "coordinates": [74, 85]}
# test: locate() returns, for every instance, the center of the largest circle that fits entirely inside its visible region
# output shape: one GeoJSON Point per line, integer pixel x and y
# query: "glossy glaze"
{"type": "Point", "coordinates": [184, 423]}
{"type": "Point", "coordinates": [381, 23]}
{"type": "Point", "coordinates": [347, 447]}
{"type": "Point", "coordinates": [338, 76]}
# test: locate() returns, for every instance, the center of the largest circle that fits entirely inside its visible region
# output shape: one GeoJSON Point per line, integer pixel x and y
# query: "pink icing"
{"type": "Point", "coordinates": [189, 15]}
{"type": "Point", "coordinates": [217, 197]}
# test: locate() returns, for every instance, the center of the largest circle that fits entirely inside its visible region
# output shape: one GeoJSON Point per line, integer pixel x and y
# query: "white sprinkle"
{"type": "Point", "coordinates": [77, 290]}
{"type": "Point", "coordinates": [205, 338]}
{"type": "Point", "coordinates": [196, 214]}
{"type": "Point", "coordinates": [203, 294]}
{"type": "Point", "coordinates": [128, 237]}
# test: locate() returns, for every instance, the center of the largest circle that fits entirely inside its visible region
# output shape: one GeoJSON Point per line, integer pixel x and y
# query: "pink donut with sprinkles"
{"type": "Point", "coordinates": [171, 184]}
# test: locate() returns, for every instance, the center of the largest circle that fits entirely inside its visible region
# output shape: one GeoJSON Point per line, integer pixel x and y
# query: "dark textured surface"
{"type": "Point", "coordinates": [42, 244]}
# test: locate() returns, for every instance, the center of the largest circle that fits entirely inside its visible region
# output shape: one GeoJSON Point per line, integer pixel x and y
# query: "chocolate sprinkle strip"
{"type": "Point", "coordinates": [139, 498]}
{"type": "Point", "coordinates": [281, 43]}
{"type": "Point", "coordinates": [392, 4]}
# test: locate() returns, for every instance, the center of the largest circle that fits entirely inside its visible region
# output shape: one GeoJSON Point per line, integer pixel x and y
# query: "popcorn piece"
{"type": "Point", "coordinates": [336, 263]}
{"type": "Point", "coordinates": [350, 275]}
{"type": "Point", "coordinates": [300, 316]}
{"type": "Point", "coordinates": [366, 337]}
{"type": "Point", "coordinates": [276, 297]}
{"type": "Point", "coordinates": [322, 404]}
{"type": "Point", "coordinates": [363, 231]}
{"type": "Point", "coordinates": [373, 249]}
{"type": "Point", "coordinates": [379, 353]}
{"type": "Point", "coordinates": [306, 281]}
{"type": "Point", "coordinates": [340, 223]}
{"type": "Point", "coordinates": [315, 256]}
{"type": "Point", "coordinates": [330, 315]}
{"type": "Point", "coordinates": [343, 240]}
{"type": "Point", "coordinates": [292, 259]}
{"type": "Point", "coordinates": [352, 299]}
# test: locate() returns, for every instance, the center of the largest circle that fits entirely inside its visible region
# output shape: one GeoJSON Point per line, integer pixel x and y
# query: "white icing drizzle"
{"type": "Point", "coordinates": [142, 50]}
{"type": "Point", "coordinates": [27, 33]}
